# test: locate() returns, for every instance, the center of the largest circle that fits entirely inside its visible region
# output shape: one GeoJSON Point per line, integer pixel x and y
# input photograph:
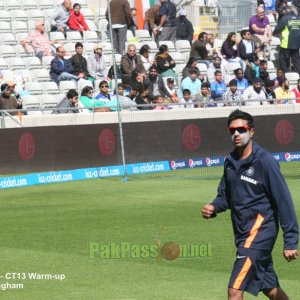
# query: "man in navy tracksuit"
{"type": "Point", "coordinates": [255, 191]}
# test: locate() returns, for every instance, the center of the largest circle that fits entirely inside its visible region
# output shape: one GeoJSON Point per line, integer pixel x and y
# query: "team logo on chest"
{"type": "Point", "coordinates": [250, 171]}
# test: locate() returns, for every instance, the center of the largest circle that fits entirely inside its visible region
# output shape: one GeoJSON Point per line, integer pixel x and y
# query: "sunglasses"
{"type": "Point", "coordinates": [240, 129]}
{"type": "Point", "coordinates": [104, 86]}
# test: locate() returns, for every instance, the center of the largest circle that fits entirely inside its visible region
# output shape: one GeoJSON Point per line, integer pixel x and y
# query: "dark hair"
{"type": "Point", "coordinates": [186, 91]}
{"type": "Point", "coordinates": [71, 94]}
{"type": "Point", "coordinates": [102, 82]}
{"type": "Point", "coordinates": [262, 62]}
{"type": "Point", "coordinates": [76, 5]}
{"type": "Point", "coordinates": [243, 32]}
{"type": "Point", "coordinates": [217, 72]}
{"type": "Point", "coordinates": [163, 48]}
{"type": "Point", "coordinates": [153, 67]}
{"type": "Point", "coordinates": [144, 49]}
{"type": "Point", "coordinates": [237, 70]}
{"type": "Point", "coordinates": [193, 71]}
{"type": "Point", "coordinates": [144, 88]}
{"type": "Point", "coordinates": [205, 85]}
{"type": "Point", "coordinates": [228, 39]}
{"type": "Point", "coordinates": [78, 44]}
{"type": "Point", "coordinates": [238, 114]}
{"type": "Point", "coordinates": [86, 90]}
{"type": "Point", "coordinates": [121, 85]}
{"type": "Point", "coordinates": [233, 82]}
{"type": "Point", "coordinates": [191, 60]}
{"type": "Point", "coordinates": [4, 87]}
{"type": "Point", "coordinates": [280, 69]}
{"type": "Point", "coordinates": [201, 35]}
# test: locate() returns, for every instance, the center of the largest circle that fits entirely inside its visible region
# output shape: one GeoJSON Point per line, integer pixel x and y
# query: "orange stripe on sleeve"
{"type": "Point", "coordinates": [239, 280]}
{"type": "Point", "coordinates": [254, 230]}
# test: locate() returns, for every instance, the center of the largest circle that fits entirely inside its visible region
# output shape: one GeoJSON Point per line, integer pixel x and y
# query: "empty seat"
{"type": "Point", "coordinates": [46, 62]}
{"type": "Point", "coordinates": [88, 14]}
{"type": "Point", "coordinates": [90, 37]}
{"type": "Point", "coordinates": [143, 35]}
{"type": "Point", "coordinates": [92, 26]}
{"type": "Point", "coordinates": [74, 36]}
{"type": "Point", "coordinates": [292, 77]}
{"type": "Point", "coordinates": [56, 35]}
{"type": "Point", "coordinates": [35, 14]}
{"type": "Point", "coordinates": [12, 4]}
{"type": "Point", "coordinates": [28, 4]}
{"type": "Point", "coordinates": [31, 101]}
{"type": "Point", "coordinates": [49, 101]}
{"type": "Point", "coordinates": [19, 26]}
{"type": "Point", "coordinates": [17, 63]}
{"type": "Point", "coordinates": [19, 15]}
{"type": "Point", "coordinates": [45, 4]}
{"type": "Point", "coordinates": [41, 75]}
{"type": "Point", "coordinates": [34, 88]}
{"type": "Point", "coordinates": [8, 39]}
{"type": "Point", "coordinates": [5, 16]}
{"type": "Point", "coordinates": [50, 88]}
{"type": "Point", "coordinates": [102, 25]}
{"type": "Point", "coordinates": [183, 46]}
{"type": "Point", "coordinates": [33, 63]}
{"type": "Point", "coordinates": [65, 86]}
{"type": "Point", "coordinates": [3, 64]}
{"type": "Point", "coordinates": [21, 52]}
{"type": "Point", "coordinates": [178, 58]}
{"type": "Point", "coordinates": [7, 51]}
{"type": "Point", "coordinates": [88, 48]}
{"type": "Point", "coordinates": [5, 27]}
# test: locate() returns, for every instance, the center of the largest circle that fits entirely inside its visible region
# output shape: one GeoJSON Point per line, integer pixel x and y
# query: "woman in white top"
{"type": "Point", "coordinates": [147, 58]}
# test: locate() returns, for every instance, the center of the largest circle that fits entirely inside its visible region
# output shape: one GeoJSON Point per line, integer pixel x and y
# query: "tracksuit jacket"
{"type": "Point", "coordinates": [289, 27]}
{"type": "Point", "coordinates": [258, 197]}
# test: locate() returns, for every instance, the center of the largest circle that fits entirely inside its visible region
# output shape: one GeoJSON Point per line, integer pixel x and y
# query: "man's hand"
{"type": "Point", "coordinates": [290, 255]}
{"type": "Point", "coordinates": [207, 211]}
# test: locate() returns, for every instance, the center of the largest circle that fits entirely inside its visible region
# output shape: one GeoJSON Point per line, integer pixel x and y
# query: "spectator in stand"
{"type": "Point", "coordinates": [79, 62]}
{"type": "Point", "coordinates": [104, 97]}
{"type": "Point", "coordinates": [165, 63]}
{"type": "Point", "coordinates": [198, 48]}
{"type": "Point", "coordinates": [125, 102]}
{"type": "Point", "coordinates": [269, 91]}
{"type": "Point", "coordinates": [232, 97]}
{"type": "Point", "coordinates": [252, 69]}
{"type": "Point", "coordinates": [132, 25]}
{"type": "Point", "coordinates": [147, 59]}
{"type": "Point", "coordinates": [213, 67]}
{"type": "Point", "coordinates": [191, 83]}
{"type": "Point", "coordinates": [263, 71]}
{"type": "Point", "coordinates": [282, 92]}
{"type": "Point", "coordinates": [254, 95]}
{"type": "Point", "coordinates": [37, 41]}
{"type": "Point", "coordinates": [156, 84]}
{"type": "Point", "coordinates": [191, 64]}
{"type": "Point", "coordinates": [62, 69]}
{"type": "Point", "coordinates": [131, 61]}
{"type": "Point", "coordinates": [242, 82]}
{"type": "Point", "coordinates": [159, 100]}
{"type": "Point", "coordinates": [120, 19]}
{"type": "Point", "coordinates": [211, 47]}
{"type": "Point", "coordinates": [96, 64]}
{"type": "Point", "coordinates": [280, 73]}
{"type": "Point", "coordinates": [259, 26]}
{"type": "Point", "coordinates": [279, 6]}
{"type": "Point", "coordinates": [246, 47]}
{"type": "Point", "coordinates": [184, 27]}
{"type": "Point", "coordinates": [186, 100]}
{"type": "Point", "coordinates": [92, 104]}
{"type": "Point", "coordinates": [289, 29]}
{"type": "Point", "coordinates": [76, 21]}
{"type": "Point", "coordinates": [151, 19]}
{"type": "Point", "coordinates": [143, 98]}
{"type": "Point", "coordinates": [171, 86]}
{"type": "Point", "coordinates": [60, 17]}
{"type": "Point", "coordinates": [229, 49]}
{"type": "Point", "coordinates": [68, 104]}
{"type": "Point", "coordinates": [166, 30]}
{"type": "Point", "coordinates": [136, 80]}
{"type": "Point", "coordinates": [218, 87]}
{"type": "Point", "coordinates": [8, 101]}
{"type": "Point", "coordinates": [203, 98]}
{"type": "Point", "coordinates": [296, 93]}
{"type": "Point", "coordinates": [270, 8]}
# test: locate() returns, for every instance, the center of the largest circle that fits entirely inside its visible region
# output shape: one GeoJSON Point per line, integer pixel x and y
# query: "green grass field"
{"type": "Point", "coordinates": [47, 229]}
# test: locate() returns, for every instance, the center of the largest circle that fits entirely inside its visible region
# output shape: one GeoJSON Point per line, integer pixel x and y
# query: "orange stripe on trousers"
{"type": "Point", "coordinates": [239, 280]}
{"type": "Point", "coordinates": [254, 230]}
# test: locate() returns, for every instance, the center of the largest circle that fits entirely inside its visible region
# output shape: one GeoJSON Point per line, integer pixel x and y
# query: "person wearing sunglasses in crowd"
{"type": "Point", "coordinates": [254, 189]}
{"type": "Point", "coordinates": [88, 101]}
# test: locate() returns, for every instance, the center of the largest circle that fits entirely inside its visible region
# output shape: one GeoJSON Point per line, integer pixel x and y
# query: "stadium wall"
{"type": "Point", "coordinates": [149, 136]}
